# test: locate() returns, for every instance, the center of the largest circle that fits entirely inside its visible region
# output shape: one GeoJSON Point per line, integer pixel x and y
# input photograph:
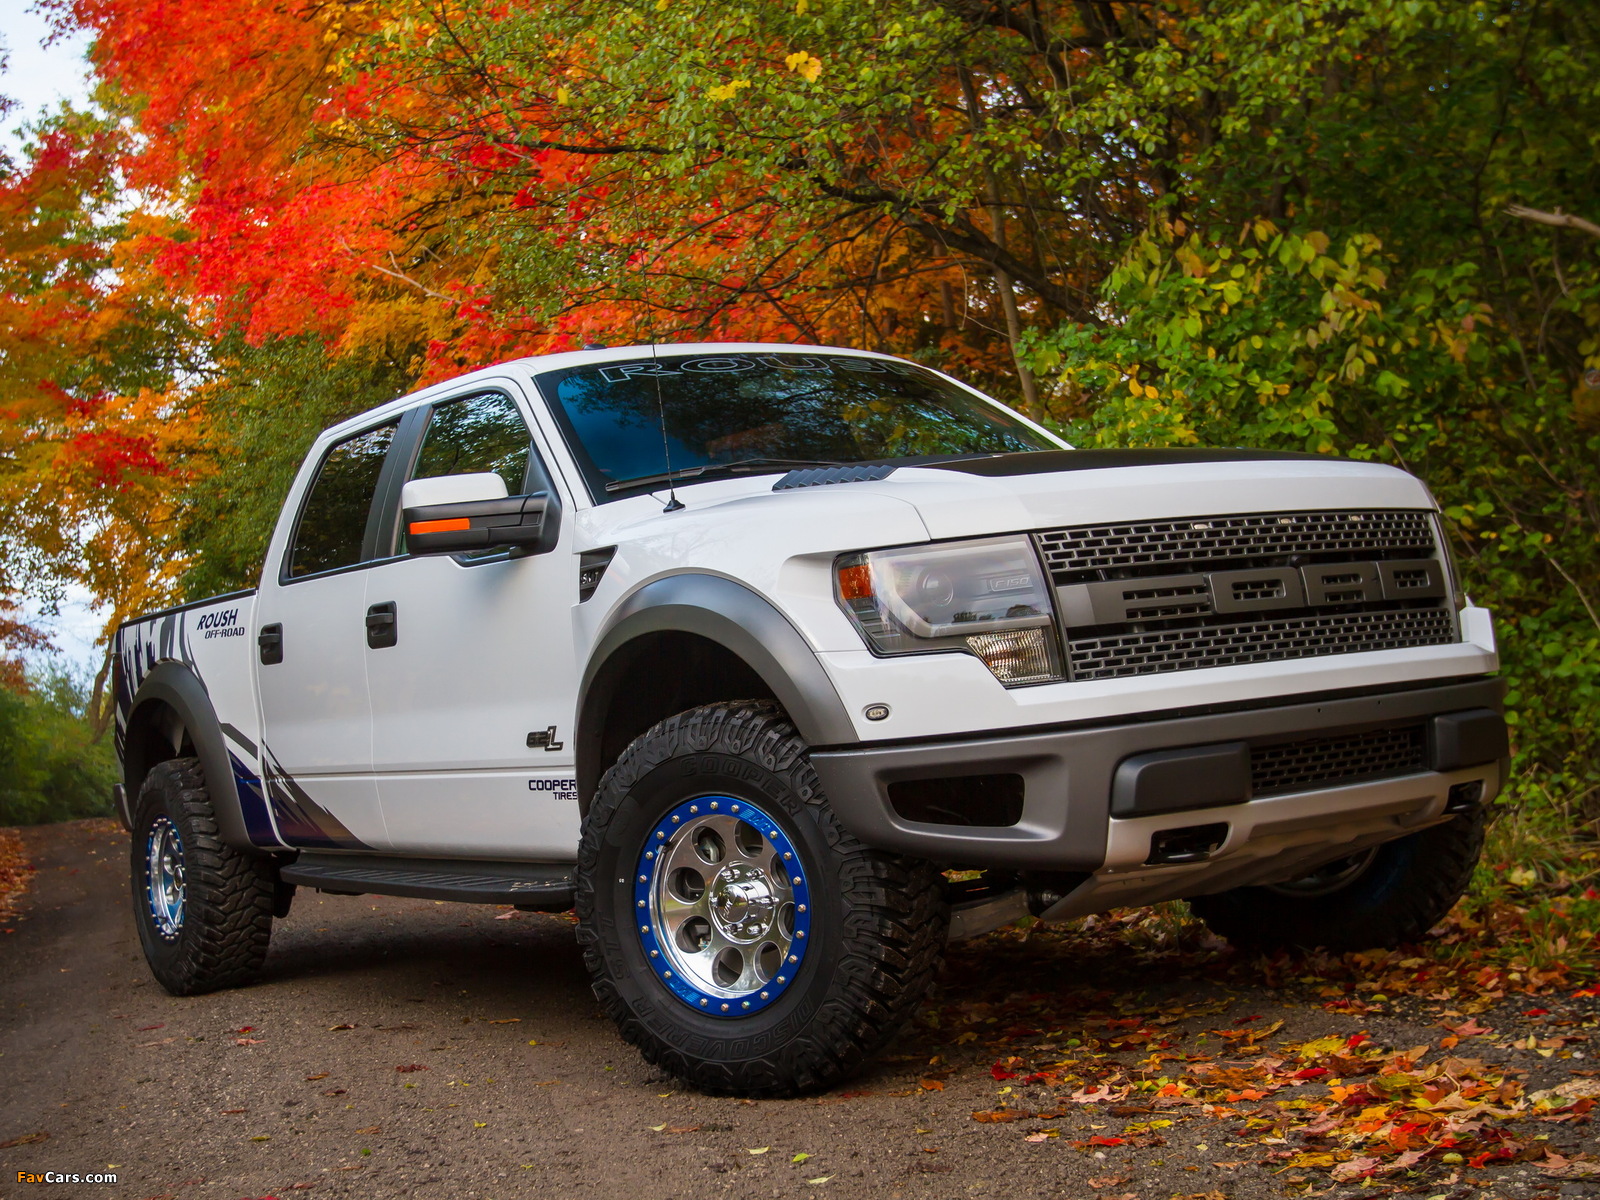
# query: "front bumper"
{"type": "Point", "coordinates": [1072, 778]}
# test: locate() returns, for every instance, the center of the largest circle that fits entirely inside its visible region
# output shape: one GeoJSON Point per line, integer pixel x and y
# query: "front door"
{"type": "Point", "coordinates": [316, 719]}
{"type": "Point", "coordinates": [482, 659]}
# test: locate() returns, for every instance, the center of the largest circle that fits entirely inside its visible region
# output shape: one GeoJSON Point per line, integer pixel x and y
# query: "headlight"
{"type": "Point", "coordinates": [989, 598]}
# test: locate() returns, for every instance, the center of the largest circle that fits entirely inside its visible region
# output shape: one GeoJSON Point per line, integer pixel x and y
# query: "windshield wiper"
{"type": "Point", "coordinates": [737, 467]}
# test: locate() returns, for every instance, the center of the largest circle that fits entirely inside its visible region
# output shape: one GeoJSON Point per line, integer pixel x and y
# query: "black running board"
{"type": "Point", "coordinates": [540, 887]}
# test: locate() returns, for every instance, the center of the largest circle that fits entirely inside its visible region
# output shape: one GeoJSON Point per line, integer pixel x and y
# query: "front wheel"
{"type": "Point", "coordinates": [1382, 897]}
{"type": "Point", "coordinates": [739, 937]}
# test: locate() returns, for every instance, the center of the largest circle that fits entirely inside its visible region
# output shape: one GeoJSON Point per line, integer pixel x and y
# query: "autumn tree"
{"type": "Point", "coordinates": [1302, 225]}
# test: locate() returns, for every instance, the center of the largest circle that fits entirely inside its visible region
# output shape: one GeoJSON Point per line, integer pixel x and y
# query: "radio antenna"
{"type": "Point", "coordinates": [673, 503]}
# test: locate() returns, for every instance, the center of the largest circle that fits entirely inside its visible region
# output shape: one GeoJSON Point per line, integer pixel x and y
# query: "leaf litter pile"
{"type": "Point", "coordinates": [1111, 1030]}
{"type": "Point", "coordinates": [15, 871]}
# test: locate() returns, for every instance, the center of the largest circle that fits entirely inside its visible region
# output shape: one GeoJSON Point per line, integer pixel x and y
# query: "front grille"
{"type": "Point", "coordinates": [1151, 597]}
{"type": "Point", "coordinates": [1376, 754]}
{"type": "Point", "coordinates": [1258, 641]}
{"type": "Point", "coordinates": [1075, 555]}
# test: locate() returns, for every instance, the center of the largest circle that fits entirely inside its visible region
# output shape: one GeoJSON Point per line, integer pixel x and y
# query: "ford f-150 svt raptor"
{"type": "Point", "coordinates": [743, 650]}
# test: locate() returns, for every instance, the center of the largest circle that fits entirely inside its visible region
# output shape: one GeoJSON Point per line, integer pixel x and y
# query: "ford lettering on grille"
{"type": "Point", "coordinates": [1213, 591]}
{"type": "Point", "coordinates": [1262, 590]}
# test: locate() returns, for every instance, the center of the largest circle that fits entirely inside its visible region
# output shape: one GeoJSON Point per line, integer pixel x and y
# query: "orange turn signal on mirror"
{"type": "Point", "coordinates": [449, 526]}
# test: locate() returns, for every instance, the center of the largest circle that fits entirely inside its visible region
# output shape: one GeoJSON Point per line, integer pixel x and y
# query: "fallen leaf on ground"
{"type": "Point", "coordinates": [27, 1139]}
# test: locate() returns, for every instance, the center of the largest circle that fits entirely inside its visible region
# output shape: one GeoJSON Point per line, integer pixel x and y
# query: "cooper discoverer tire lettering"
{"type": "Point", "coordinates": [1401, 890]}
{"type": "Point", "coordinates": [203, 910]}
{"type": "Point", "coordinates": [725, 962]}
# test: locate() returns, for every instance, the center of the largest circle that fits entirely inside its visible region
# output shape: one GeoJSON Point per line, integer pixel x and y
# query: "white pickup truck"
{"type": "Point", "coordinates": [746, 650]}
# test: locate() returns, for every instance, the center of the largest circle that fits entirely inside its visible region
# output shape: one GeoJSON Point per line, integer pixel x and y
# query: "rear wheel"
{"type": "Point", "coordinates": [1382, 897]}
{"type": "Point", "coordinates": [203, 910]}
{"type": "Point", "coordinates": [734, 931]}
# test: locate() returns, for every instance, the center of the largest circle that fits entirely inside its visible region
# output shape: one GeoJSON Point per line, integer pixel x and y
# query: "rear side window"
{"type": "Point", "coordinates": [333, 523]}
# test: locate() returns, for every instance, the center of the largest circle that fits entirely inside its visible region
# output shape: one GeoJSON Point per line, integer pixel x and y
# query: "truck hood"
{"type": "Point", "coordinates": [1049, 489]}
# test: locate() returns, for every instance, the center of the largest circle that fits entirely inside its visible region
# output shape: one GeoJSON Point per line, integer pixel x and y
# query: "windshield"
{"type": "Point", "coordinates": [726, 414]}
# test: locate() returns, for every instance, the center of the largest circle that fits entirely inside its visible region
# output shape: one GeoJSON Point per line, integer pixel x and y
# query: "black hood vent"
{"type": "Point", "coordinates": [817, 476]}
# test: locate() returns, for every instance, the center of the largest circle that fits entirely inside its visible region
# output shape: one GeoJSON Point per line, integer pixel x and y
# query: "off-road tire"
{"type": "Point", "coordinates": [221, 941]}
{"type": "Point", "coordinates": [1406, 889]}
{"type": "Point", "coordinates": [878, 928]}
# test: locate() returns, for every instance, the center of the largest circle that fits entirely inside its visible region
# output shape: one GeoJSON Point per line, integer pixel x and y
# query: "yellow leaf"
{"type": "Point", "coordinates": [480, 1124]}
{"type": "Point", "coordinates": [762, 1150]}
{"type": "Point", "coordinates": [800, 9]}
{"type": "Point", "coordinates": [804, 65]}
{"type": "Point", "coordinates": [563, 96]}
{"type": "Point", "coordinates": [727, 91]}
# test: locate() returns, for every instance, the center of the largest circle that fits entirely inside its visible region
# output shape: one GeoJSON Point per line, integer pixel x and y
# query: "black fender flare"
{"type": "Point", "coordinates": [735, 618]}
{"type": "Point", "coordinates": [175, 685]}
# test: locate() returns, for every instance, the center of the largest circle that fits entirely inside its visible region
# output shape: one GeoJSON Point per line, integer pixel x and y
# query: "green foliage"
{"type": "Point", "coordinates": [1332, 267]}
{"type": "Point", "coordinates": [261, 417]}
{"type": "Point", "coordinates": [51, 767]}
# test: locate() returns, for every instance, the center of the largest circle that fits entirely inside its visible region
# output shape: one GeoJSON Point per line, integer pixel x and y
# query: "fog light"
{"type": "Point", "coordinates": [1464, 797]}
{"type": "Point", "coordinates": [1017, 656]}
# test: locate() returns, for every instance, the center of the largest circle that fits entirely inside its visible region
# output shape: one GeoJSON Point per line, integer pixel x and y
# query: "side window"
{"type": "Point", "coordinates": [477, 434]}
{"type": "Point", "coordinates": [333, 521]}
{"type": "Point", "coordinates": [480, 433]}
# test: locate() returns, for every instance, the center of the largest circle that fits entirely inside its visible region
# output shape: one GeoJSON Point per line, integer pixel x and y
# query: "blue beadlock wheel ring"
{"type": "Point", "coordinates": [722, 906]}
{"type": "Point", "coordinates": [164, 884]}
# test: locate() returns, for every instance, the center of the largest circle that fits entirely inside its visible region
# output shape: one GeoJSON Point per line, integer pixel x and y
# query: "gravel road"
{"type": "Point", "coordinates": [404, 1048]}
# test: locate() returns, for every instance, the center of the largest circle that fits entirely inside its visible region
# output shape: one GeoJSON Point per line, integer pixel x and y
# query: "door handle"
{"type": "Point", "coordinates": [382, 625]}
{"type": "Point", "coordinates": [269, 643]}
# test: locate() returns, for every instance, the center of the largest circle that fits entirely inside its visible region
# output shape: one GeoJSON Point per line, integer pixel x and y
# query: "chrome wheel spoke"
{"type": "Point", "coordinates": [722, 900]}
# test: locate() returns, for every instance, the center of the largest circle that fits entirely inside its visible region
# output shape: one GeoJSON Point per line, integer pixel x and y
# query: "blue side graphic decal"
{"type": "Point", "coordinates": [301, 820]}
{"type": "Point", "coordinates": [253, 805]}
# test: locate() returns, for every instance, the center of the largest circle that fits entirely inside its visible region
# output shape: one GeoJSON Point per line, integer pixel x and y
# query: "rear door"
{"type": "Point", "coordinates": [316, 718]}
{"type": "Point", "coordinates": [473, 703]}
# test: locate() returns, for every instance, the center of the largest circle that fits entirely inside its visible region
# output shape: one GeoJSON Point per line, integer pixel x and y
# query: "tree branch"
{"type": "Point", "coordinates": [1558, 218]}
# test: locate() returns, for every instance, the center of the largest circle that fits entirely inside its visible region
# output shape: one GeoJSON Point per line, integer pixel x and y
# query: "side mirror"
{"type": "Point", "coordinates": [455, 514]}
